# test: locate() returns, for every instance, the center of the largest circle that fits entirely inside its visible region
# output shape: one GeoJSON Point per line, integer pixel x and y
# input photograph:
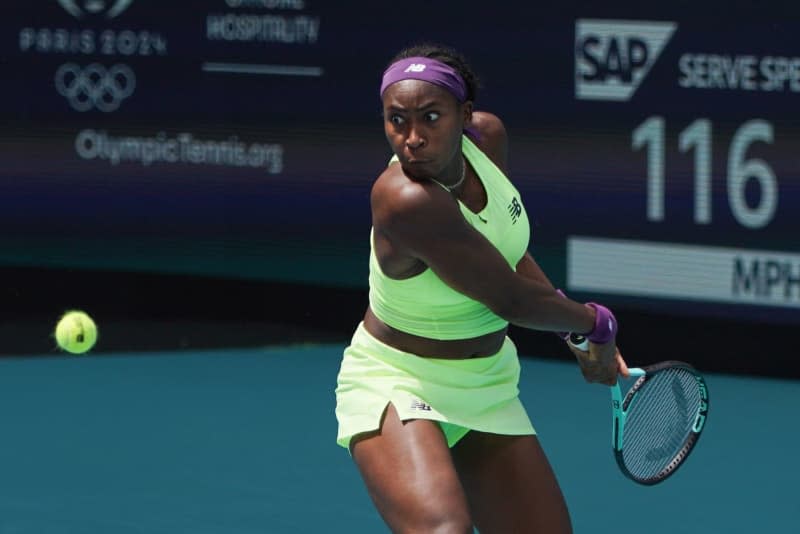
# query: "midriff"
{"type": "Point", "coordinates": [456, 349]}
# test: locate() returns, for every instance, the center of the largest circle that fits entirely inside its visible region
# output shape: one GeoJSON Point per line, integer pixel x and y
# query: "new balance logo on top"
{"type": "Point", "coordinates": [612, 57]}
{"type": "Point", "coordinates": [515, 210]}
{"type": "Point", "coordinates": [419, 405]}
{"type": "Point", "coordinates": [415, 67]}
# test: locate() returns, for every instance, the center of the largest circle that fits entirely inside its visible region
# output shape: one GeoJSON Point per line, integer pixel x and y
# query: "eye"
{"type": "Point", "coordinates": [432, 116]}
{"type": "Point", "coordinates": [396, 119]}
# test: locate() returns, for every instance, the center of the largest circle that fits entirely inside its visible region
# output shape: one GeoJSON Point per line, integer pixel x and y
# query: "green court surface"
{"type": "Point", "coordinates": [242, 441]}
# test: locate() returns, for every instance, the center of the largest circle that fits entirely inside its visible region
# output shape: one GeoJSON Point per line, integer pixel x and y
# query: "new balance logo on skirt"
{"type": "Point", "coordinates": [419, 405]}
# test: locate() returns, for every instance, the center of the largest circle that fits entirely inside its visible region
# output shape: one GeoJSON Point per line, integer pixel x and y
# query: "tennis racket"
{"type": "Point", "coordinates": [657, 422]}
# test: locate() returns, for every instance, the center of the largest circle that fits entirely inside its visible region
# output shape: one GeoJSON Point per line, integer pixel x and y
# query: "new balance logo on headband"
{"type": "Point", "coordinates": [415, 67]}
{"type": "Point", "coordinates": [612, 57]}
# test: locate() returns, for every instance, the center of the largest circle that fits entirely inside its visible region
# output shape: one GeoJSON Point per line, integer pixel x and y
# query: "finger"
{"type": "Point", "coordinates": [622, 366]}
{"type": "Point", "coordinates": [592, 374]}
{"type": "Point", "coordinates": [587, 375]}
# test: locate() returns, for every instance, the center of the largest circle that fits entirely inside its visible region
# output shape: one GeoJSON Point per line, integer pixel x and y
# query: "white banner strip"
{"type": "Point", "coordinates": [686, 272]}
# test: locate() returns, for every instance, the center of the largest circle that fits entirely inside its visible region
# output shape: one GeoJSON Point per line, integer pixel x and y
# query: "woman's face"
{"type": "Point", "coordinates": [423, 124]}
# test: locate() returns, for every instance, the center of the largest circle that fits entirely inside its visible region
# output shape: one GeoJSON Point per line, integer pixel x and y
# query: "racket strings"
{"type": "Point", "coordinates": [659, 422]}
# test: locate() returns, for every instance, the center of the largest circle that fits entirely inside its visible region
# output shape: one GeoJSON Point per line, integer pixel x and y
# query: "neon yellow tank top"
{"type": "Point", "coordinates": [424, 305]}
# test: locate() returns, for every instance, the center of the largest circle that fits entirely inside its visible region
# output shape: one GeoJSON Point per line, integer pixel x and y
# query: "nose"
{"type": "Point", "coordinates": [415, 138]}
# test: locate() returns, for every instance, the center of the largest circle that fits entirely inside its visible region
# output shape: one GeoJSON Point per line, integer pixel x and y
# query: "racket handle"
{"type": "Point", "coordinates": [579, 341]}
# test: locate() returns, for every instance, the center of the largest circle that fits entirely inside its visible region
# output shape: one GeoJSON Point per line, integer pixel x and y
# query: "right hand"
{"type": "Point", "coordinates": [601, 363]}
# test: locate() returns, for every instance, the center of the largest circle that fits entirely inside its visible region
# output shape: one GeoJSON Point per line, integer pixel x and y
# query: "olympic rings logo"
{"type": "Point", "coordinates": [95, 86]}
{"type": "Point", "coordinates": [95, 7]}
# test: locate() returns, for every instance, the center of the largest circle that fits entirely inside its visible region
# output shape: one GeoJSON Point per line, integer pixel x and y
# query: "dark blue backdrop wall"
{"type": "Point", "coordinates": [235, 140]}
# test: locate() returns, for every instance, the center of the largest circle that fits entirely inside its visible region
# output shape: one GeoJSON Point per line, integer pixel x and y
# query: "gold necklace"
{"type": "Point", "coordinates": [460, 181]}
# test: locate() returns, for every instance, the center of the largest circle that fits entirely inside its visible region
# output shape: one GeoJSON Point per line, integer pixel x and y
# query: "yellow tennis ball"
{"type": "Point", "coordinates": [76, 332]}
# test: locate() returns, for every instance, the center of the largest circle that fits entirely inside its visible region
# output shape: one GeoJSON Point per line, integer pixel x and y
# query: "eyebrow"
{"type": "Point", "coordinates": [423, 107]}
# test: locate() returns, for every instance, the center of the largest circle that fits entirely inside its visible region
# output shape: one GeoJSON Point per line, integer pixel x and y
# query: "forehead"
{"type": "Point", "coordinates": [416, 93]}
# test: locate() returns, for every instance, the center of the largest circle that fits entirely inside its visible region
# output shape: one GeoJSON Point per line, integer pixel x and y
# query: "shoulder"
{"type": "Point", "coordinates": [398, 200]}
{"type": "Point", "coordinates": [492, 137]}
{"type": "Point", "coordinates": [488, 125]}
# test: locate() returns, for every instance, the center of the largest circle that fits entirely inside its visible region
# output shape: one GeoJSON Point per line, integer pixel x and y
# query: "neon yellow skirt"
{"type": "Point", "coordinates": [462, 395]}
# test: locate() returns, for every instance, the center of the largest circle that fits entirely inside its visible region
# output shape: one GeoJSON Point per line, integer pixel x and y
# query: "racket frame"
{"type": "Point", "coordinates": [620, 406]}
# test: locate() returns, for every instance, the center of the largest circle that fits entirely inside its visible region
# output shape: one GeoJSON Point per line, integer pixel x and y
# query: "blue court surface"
{"type": "Point", "coordinates": [242, 441]}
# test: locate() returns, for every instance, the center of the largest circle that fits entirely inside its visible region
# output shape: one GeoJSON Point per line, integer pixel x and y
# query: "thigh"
{"type": "Point", "coordinates": [510, 485]}
{"type": "Point", "coordinates": [410, 476]}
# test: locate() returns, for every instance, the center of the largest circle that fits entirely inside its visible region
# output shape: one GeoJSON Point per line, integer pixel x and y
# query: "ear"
{"type": "Point", "coordinates": [467, 109]}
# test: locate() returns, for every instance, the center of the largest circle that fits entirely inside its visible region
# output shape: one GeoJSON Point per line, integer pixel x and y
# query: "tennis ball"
{"type": "Point", "coordinates": [76, 332]}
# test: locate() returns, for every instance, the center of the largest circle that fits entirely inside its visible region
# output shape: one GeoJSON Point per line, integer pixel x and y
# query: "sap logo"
{"type": "Point", "coordinates": [612, 57]}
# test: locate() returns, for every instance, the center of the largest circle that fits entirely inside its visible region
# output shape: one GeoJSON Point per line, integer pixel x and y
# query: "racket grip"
{"type": "Point", "coordinates": [579, 341]}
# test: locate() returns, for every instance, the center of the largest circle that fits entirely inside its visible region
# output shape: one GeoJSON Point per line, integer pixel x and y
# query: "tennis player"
{"type": "Point", "coordinates": [427, 392]}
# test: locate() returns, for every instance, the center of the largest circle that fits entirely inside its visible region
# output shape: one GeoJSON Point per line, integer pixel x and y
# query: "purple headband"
{"type": "Point", "coordinates": [428, 70]}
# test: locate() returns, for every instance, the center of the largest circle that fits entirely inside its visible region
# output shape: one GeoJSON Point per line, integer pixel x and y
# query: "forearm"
{"type": "Point", "coordinates": [555, 311]}
{"type": "Point", "coordinates": [539, 307]}
{"type": "Point", "coordinates": [599, 361]}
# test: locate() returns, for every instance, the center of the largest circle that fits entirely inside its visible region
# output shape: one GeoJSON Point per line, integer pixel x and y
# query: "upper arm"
{"type": "Point", "coordinates": [425, 222]}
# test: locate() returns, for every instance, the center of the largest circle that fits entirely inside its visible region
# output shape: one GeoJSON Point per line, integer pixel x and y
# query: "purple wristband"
{"type": "Point", "coordinates": [605, 325]}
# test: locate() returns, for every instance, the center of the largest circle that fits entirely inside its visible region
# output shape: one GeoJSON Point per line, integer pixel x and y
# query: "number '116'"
{"type": "Point", "coordinates": [697, 137]}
